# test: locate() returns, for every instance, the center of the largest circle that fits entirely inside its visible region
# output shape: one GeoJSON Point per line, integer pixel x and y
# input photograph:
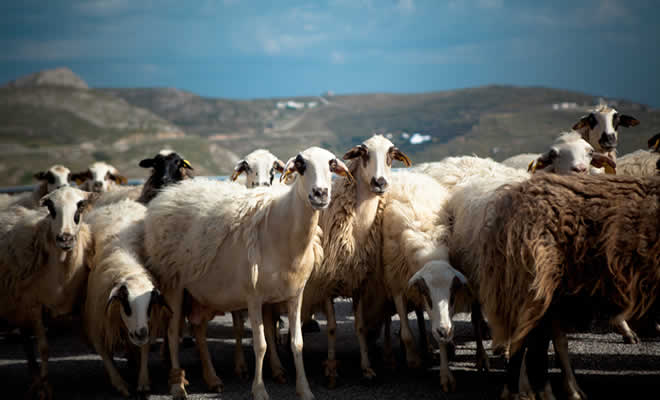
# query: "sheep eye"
{"type": "Point", "coordinates": [76, 216]}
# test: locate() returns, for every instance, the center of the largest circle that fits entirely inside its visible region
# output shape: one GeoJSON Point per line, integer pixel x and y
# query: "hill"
{"type": "Point", "coordinates": [45, 123]}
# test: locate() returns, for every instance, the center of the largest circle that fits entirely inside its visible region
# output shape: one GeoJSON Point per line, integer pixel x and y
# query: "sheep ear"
{"type": "Point", "coordinates": [147, 163]}
{"type": "Point", "coordinates": [278, 165]}
{"type": "Point", "coordinates": [80, 177]}
{"type": "Point", "coordinates": [587, 120]}
{"type": "Point", "coordinates": [294, 165]}
{"type": "Point", "coordinates": [399, 155]}
{"type": "Point", "coordinates": [241, 166]}
{"type": "Point", "coordinates": [157, 298]}
{"type": "Point", "coordinates": [119, 179]}
{"type": "Point", "coordinates": [599, 160]}
{"type": "Point", "coordinates": [417, 281]}
{"type": "Point", "coordinates": [339, 168]}
{"type": "Point", "coordinates": [187, 165]}
{"type": "Point", "coordinates": [654, 142]}
{"type": "Point", "coordinates": [41, 176]}
{"type": "Point", "coordinates": [119, 293]}
{"type": "Point", "coordinates": [355, 152]}
{"type": "Point", "coordinates": [628, 121]}
{"type": "Point", "coordinates": [543, 161]}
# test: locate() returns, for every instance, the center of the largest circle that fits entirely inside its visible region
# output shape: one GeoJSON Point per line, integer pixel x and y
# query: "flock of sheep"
{"type": "Point", "coordinates": [513, 246]}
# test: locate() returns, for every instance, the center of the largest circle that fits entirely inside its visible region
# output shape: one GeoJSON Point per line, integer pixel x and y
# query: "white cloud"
{"type": "Point", "coordinates": [406, 6]}
{"type": "Point", "coordinates": [337, 57]}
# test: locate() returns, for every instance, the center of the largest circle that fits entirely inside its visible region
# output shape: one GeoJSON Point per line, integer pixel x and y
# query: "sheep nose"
{"type": "Point", "coordinates": [97, 186]}
{"type": "Point", "coordinates": [321, 194]}
{"type": "Point", "coordinates": [64, 241]}
{"type": "Point", "coordinates": [608, 141]}
{"type": "Point", "coordinates": [445, 333]}
{"type": "Point", "coordinates": [379, 185]}
{"type": "Point", "coordinates": [142, 333]}
{"type": "Point", "coordinates": [580, 168]}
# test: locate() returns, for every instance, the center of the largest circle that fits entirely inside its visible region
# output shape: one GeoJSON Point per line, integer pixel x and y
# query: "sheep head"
{"type": "Point", "coordinates": [372, 162]}
{"type": "Point", "coordinates": [259, 167]}
{"type": "Point", "coordinates": [55, 177]}
{"type": "Point", "coordinates": [66, 207]}
{"type": "Point", "coordinates": [599, 127]}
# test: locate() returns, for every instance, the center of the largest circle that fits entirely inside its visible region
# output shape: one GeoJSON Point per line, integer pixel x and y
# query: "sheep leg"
{"type": "Point", "coordinates": [537, 360]}
{"type": "Point", "coordinates": [560, 343]}
{"type": "Point", "coordinates": [331, 362]}
{"type": "Point", "coordinates": [629, 336]}
{"type": "Point", "coordinates": [144, 383]}
{"type": "Point", "coordinates": [388, 353]}
{"type": "Point", "coordinates": [259, 345]}
{"type": "Point", "coordinates": [45, 390]}
{"type": "Point", "coordinates": [115, 377]}
{"type": "Point", "coordinates": [477, 320]}
{"type": "Point", "coordinates": [278, 372]}
{"type": "Point", "coordinates": [240, 367]}
{"type": "Point", "coordinates": [208, 371]}
{"type": "Point", "coordinates": [406, 335]}
{"type": "Point", "coordinates": [361, 331]}
{"type": "Point", "coordinates": [295, 331]}
{"type": "Point", "coordinates": [177, 379]}
{"type": "Point", "coordinates": [36, 388]}
{"type": "Point", "coordinates": [513, 366]}
{"type": "Point", "coordinates": [446, 377]}
{"type": "Point", "coordinates": [424, 342]}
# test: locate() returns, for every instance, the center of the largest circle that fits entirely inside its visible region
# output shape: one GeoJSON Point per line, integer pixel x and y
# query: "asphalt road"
{"type": "Point", "coordinates": [606, 367]}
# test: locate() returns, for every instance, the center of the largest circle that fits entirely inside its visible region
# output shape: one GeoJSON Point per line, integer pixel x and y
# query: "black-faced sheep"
{"type": "Point", "coordinates": [229, 231]}
{"type": "Point", "coordinates": [552, 238]}
{"type": "Point", "coordinates": [43, 259]}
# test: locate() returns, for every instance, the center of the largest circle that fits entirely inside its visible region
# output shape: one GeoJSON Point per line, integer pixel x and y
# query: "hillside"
{"type": "Point", "coordinates": [44, 122]}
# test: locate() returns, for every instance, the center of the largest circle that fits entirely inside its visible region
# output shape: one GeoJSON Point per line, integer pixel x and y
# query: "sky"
{"type": "Point", "coordinates": [255, 49]}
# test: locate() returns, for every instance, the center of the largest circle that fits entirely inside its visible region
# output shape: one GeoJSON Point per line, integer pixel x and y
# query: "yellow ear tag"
{"type": "Point", "coordinates": [655, 146]}
{"type": "Point", "coordinates": [235, 175]}
{"type": "Point", "coordinates": [531, 168]}
{"type": "Point", "coordinates": [187, 164]}
{"type": "Point", "coordinates": [609, 170]}
{"type": "Point", "coordinates": [284, 175]}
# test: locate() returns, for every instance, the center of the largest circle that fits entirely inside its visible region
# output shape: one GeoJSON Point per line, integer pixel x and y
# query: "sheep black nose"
{"type": "Point", "coordinates": [581, 168]}
{"type": "Point", "coordinates": [608, 140]}
{"type": "Point", "coordinates": [379, 185]}
{"type": "Point", "coordinates": [320, 194]}
{"type": "Point", "coordinates": [142, 333]}
{"type": "Point", "coordinates": [64, 237]}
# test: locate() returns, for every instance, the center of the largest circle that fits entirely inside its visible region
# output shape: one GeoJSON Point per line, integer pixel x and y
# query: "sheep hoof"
{"type": "Point", "coordinates": [241, 372]}
{"type": "Point", "coordinates": [389, 361]}
{"type": "Point", "coordinates": [368, 373]}
{"type": "Point", "coordinates": [279, 376]}
{"type": "Point", "coordinates": [259, 392]}
{"type": "Point", "coordinates": [631, 338]}
{"type": "Point", "coordinates": [40, 389]}
{"type": "Point", "coordinates": [483, 363]}
{"type": "Point", "coordinates": [214, 384]}
{"type": "Point", "coordinates": [143, 388]}
{"type": "Point", "coordinates": [178, 384]}
{"type": "Point", "coordinates": [310, 326]}
{"type": "Point", "coordinates": [448, 382]}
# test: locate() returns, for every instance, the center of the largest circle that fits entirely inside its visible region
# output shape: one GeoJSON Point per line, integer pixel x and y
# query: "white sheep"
{"type": "Point", "coordinates": [99, 177]}
{"type": "Point", "coordinates": [259, 167]}
{"type": "Point", "coordinates": [641, 162]}
{"type": "Point", "coordinates": [258, 246]}
{"type": "Point", "coordinates": [51, 179]}
{"type": "Point", "coordinates": [122, 302]}
{"type": "Point", "coordinates": [43, 262]}
{"type": "Point", "coordinates": [352, 244]}
{"type": "Point", "coordinates": [416, 230]}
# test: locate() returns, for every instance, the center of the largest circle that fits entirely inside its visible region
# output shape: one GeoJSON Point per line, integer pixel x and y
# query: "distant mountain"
{"type": "Point", "coordinates": [50, 77]}
{"type": "Point", "coordinates": [43, 123]}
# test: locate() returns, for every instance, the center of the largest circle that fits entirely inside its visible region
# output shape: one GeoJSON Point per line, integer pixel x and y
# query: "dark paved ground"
{"type": "Point", "coordinates": [606, 368]}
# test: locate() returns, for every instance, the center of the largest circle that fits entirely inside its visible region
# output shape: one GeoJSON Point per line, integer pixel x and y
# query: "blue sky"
{"type": "Point", "coordinates": [250, 49]}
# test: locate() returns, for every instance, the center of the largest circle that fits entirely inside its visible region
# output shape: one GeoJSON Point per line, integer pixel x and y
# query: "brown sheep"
{"type": "Point", "coordinates": [554, 237]}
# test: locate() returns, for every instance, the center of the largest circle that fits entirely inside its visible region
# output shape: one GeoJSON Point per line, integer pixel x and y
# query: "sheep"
{"type": "Point", "coordinates": [552, 238]}
{"type": "Point", "coordinates": [599, 128]}
{"type": "Point", "coordinates": [122, 298]}
{"type": "Point", "coordinates": [43, 259]}
{"type": "Point", "coordinates": [51, 179]}
{"type": "Point", "coordinates": [416, 231]}
{"type": "Point", "coordinates": [99, 177]}
{"type": "Point", "coordinates": [352, 243]}
{"type": "Point", "coordinates": [259, 168]}
{"type": "Point", "coordinates": [166, 167]}
{"type": "Point", "coordinates": [200, 234]}
{"type": "Point", "coordinates": [641, 162]}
